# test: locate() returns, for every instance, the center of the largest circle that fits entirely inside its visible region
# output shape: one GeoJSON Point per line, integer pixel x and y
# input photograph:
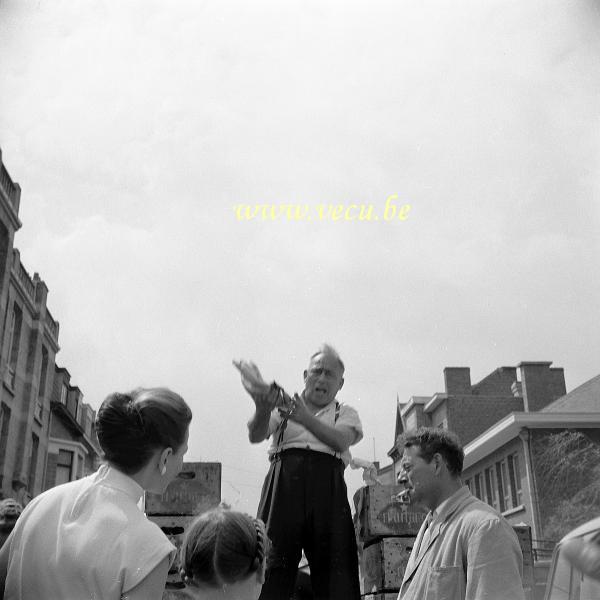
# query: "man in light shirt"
{"type": "Point", "coordinates": [465, 550]}
{"type": "Point", "coordinates": [304, 499]}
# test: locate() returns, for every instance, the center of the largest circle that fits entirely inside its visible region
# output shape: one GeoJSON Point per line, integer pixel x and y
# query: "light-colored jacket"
{"type": "Point", "coordinates": [470, 553]}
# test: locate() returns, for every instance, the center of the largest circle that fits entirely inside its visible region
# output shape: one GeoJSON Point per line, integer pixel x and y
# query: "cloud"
{"type": "Point", "coordinates": [134, 129]}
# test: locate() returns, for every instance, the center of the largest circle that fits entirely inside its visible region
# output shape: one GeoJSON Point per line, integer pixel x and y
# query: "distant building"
{"type": "Point", "coordinates": [28, 346]}
{"type": "Point", "coordinates": [73, 450]}
{"type": "Point", "coordinates": [509, 427]}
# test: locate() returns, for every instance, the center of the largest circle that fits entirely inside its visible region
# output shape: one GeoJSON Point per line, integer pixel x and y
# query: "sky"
{"type": "Point", "coordinates": [147, 136]}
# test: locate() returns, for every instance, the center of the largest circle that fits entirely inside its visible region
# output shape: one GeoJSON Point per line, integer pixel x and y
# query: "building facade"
{"type": "Point", "coordinates": [527, 443]}
{"type": "Point", "coordinates": [73, 450]}
{"type": "Point", "coordinates": [29, 421]}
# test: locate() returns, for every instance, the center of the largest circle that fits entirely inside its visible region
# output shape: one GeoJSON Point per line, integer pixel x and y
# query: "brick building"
{"type": "Point", "coordinates": [29, 418]}
{"type": "Point", "coordinates": [509, 426]}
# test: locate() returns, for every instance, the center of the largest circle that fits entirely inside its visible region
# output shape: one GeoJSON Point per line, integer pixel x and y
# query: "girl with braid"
{"type": "Point", "coordinates": [88, 538]}
{"type": "Point", "coordinates": [223, 556]}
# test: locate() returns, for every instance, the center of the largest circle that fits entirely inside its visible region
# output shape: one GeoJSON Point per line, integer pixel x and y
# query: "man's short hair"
{"type": "Point", "coordinates": [329, 351]}
{"type": "Point", "coordinates": [432, 440]}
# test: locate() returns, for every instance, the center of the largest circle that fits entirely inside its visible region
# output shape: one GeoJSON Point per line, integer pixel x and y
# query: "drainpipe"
{"type": "Point", "coordinates": [536, 529]}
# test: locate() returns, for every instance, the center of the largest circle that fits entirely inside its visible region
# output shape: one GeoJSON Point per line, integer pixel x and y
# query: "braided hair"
{"type": "Point", "coordinates": [223, 547]}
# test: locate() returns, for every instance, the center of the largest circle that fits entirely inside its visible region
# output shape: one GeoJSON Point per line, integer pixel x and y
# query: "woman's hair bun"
{"type": "Point", "coordinates": [132, 426]}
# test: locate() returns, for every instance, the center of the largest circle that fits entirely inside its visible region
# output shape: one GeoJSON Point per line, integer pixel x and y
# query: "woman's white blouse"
{"type": "Point", "coordinates": [84, 540]}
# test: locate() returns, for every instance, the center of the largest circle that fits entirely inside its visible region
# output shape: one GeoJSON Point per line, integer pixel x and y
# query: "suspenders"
{"type": "Point", "coordinates": [283, 425]}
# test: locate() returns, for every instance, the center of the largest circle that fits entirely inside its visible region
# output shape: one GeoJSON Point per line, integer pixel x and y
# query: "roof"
{"type": "Point", "coordinates": [414, 401]}
{"type": "Point", "coordinates": [509, 427]}
{"type": "Point", "coordinates": [585, 398]}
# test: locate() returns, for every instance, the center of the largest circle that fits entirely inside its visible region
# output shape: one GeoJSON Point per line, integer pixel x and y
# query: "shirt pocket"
{"type": "Point", "coordinates": [445, 583]}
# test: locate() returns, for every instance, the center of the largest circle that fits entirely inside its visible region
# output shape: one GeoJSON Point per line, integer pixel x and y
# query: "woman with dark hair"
{"type": "Point", "coordinates": [88, 538]}
{"type": "Point", "coordinates": [223, 556]}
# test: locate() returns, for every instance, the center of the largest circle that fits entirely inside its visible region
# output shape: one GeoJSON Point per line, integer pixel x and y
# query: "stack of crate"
{"type": "Point", "coordinates": [195, 490]}
{"type": "Point", "coordinates": [386, 531]}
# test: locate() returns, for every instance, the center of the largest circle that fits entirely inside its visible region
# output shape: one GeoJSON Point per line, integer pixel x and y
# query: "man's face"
{"type": "Point", "coordinates": [418, 477]}
{"type": "Point", "coordinates": [322, 380]}
{"type": "Point", "coordinates": [9, 513]}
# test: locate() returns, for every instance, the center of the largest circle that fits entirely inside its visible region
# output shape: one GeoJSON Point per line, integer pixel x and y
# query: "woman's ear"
{"type": "Point", "coordinates": [164, 459]}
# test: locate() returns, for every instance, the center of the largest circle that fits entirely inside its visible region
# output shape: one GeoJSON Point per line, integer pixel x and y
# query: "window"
{"type": "Point", "coordinates": [3, 249]}
{"type": "Point", "coordinates": [43, 373]}
{"type": "Point", "coordinates": [38, 411]}
{"type": "Point", "coordinates": [64, 466]}
{"type": "Point", "coordinates": [514, 475]}
{"type": "Point", "coordinates": [33, 460]}
{"type": "Point", "coordinates": [88, 421]}
{"type": "Point", "coordinates": [4, 424]}
{"type": "Point", "coordinates": [469, 484]}
{"type": "Point", "coordinates": [411, 420]}
{"type": "Point", "coordinates": [503, 486]}
{"type": "Point", "coordinates": [64, 390]}
{"type": "Point", "coordinates": [491, 490]}
{"type": "Point", "coordinates": [15, 340]}
{"type": "Point", "coordinates": [478, 486]}
{"type": "Point", "coordinates": [77, 397]}
{"type": "Point", "coordinates": [80, 416]}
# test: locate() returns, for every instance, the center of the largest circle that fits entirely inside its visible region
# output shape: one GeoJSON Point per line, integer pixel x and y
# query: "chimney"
{"type": "Point", "coordinates": [541, 384]}
{"type": "Point", "coordinates": [458, 380]}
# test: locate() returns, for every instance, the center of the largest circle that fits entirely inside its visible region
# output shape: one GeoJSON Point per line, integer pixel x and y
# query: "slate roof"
{"type": "Point", "coordinates": [585, 398]}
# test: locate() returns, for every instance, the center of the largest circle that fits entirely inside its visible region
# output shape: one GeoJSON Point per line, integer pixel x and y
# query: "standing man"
{"type": "Point", "coordinates": [465, 550]}
{"type": "Point", "coordinates": [304, 499]}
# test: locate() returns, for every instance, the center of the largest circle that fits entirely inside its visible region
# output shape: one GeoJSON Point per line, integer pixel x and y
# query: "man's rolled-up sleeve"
{"type": "Point", "coordinates": [349, 418]}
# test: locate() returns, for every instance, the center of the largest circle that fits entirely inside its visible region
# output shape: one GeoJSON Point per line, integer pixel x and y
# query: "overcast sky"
{"type": "Point", "coordinates": [135, 127]}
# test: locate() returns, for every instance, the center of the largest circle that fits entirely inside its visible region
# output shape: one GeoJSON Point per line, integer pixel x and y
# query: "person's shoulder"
{"type": "Point", "coordinates": [141, 538]}
{"type": "Point", "coordinates": [45, 507]}
{"type": "Point", "coordinates": [125, 522]}
{"type": "Point", "coordinates": [477, 515]}
{"type": "Point", "coordinates": [478, 510]}
{"type": "Point", "coordinates": [142, 527]}
{"type": "Point", "coordinates": [57, 493]}
{"type": "Point", "coordinates": [345, 408]}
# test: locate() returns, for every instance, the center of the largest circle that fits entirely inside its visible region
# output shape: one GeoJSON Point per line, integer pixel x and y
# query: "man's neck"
{"type": "Point", "coordinates": [315, 408]}
{"type": "Point", "coordinates": [449, 489]}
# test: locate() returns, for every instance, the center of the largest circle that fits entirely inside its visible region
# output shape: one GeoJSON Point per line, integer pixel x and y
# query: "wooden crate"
{"type": "Point", "coordinates": [382, 564]}
{"type": "Point", "coordinates": [196, 489]}
{"type": "Point", "coordinates": [182, 594]}
{"type": "Point", "coordinates": [174, 528]}
{"type": "Point", "coordinates": [378, 514]}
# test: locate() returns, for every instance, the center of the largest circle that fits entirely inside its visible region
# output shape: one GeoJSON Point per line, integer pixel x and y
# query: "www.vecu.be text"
{"type": "Point", "coordinates": [392, 211]}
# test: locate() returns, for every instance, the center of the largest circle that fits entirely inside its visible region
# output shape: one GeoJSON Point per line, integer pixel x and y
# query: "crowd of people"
{"type": "Point", "coordinates": [89, 538]}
